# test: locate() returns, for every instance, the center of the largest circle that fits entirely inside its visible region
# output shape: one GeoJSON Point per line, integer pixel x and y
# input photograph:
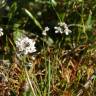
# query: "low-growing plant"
{"type": "Point", "coordinates": [47, 48]}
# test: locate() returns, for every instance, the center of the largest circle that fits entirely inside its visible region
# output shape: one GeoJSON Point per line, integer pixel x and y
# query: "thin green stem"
{"type": "Point", "coordinates": [55, 11]}
{"type": "Point", "coordinates": [49, 77]}
{"type": "Point", "coordinates": [30, 82]}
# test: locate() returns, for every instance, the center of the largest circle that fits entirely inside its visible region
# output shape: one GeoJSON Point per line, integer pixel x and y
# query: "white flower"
{"type": "Point", "coordinates": [45, 31]}
{"type": "Point", "coordinates": [1, 32]}
{"type": "Point", "coordinates": [62, 24]}
{"type": "Point", "coordinates": [67, 31]}
{"type": "Point", "coordinates": [58, 30]}
{"type": "Point", "coordinates": [26, 45]}
{"type": "Point", "coordinates": [62, 28]}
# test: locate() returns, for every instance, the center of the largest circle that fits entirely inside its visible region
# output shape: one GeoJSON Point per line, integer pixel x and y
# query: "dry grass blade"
{"type": "Point", "coordinates": [86, 86]}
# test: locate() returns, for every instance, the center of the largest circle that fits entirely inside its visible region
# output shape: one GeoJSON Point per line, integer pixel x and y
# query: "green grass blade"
{"type": "Point", "coordinates": [33, 18]}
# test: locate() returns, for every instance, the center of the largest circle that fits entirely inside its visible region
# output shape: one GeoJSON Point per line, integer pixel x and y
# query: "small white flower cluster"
{"type": "Point", "coordinates": [62, 28]}
{"type": "Point", "coordinates": [26, 45]}
{"type": "Point", "coordinates": [45, 31]}
{"type": "Point", "coordinates": [1, 32]}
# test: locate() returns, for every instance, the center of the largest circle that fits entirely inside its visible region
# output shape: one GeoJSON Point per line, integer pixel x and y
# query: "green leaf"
{"type": "Point", "coordinates": [12, 10]}
{"type": "Point", "coordinates": [54, 2]}
{"type": "Point", "coordinates": [89, 21]}
{"type": "Point", "coordinates": [49, 41]}
{"type": "Point", "coordinates": [2, 3]}
{"type": "Point", "coordinates": [33, 18]}
{"type": "Point", "coordinates": [17, 34]}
